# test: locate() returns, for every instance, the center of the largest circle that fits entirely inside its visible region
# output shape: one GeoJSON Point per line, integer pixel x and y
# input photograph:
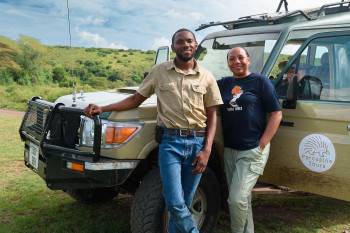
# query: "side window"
{"type": "Point", "coordinates": [321, 70]}
{"type": "Point", "coordinates": [288, 50]}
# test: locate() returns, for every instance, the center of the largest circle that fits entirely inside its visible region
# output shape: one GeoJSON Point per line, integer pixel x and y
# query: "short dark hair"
{"type": "Point", "coordinates": [245, 50]}
{"type": "Point", "coordinates": [182, 30]}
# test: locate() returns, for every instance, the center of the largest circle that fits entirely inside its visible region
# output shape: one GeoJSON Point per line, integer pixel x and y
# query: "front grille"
{"type": "Point", "coordinates": [34, 121]}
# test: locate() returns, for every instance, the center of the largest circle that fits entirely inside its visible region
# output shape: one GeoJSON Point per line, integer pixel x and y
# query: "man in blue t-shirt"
{"type": "Point", "coordinates": [250, 115]}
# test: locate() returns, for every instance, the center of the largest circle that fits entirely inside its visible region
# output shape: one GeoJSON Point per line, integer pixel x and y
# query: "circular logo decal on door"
{"type": "Point", "coordinates": [317, 152]}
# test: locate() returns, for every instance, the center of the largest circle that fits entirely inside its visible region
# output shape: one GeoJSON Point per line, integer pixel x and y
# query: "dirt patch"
{"type": "Point", "coordinates": [15, 167]}
{"type": "Point", "coordinates": [9, 170]}
{"type": "Point", "coordinates": [11, 113]}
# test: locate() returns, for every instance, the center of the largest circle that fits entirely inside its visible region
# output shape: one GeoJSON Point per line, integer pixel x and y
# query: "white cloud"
{"type": "Point", "coordinates": [174, 14]}
{"type": "Point", "coordinates": [92, 21]}
{"type": "Point", "coordinates": [117, 46]}
{"type": "Point", "coordinates": [98, 41]}
{"type": "Point", "coordinates": [195, 16]}
{"type": "Point", "coordinates": [162, 41]}
{"type": "Point", "coordinates": [181, 15]}
{"type": "Point", "coordinates": [16, 12]}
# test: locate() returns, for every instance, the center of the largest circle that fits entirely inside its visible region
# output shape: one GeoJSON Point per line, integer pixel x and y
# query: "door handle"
{"type": "Point", "coordinates": [291, 124]}
{"type": "Point", "coordinates": [348, 128]}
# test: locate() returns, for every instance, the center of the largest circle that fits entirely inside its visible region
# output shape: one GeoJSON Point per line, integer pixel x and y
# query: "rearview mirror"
{"type": "Point", "coordinates": [163, 55]}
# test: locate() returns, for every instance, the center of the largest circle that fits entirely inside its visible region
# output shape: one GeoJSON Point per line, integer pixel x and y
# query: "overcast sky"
{"type": "Point", "coordinates": [134, 24]}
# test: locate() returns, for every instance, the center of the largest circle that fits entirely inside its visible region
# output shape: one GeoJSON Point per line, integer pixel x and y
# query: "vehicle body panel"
{"type": "Point", "coordinates": [285, 168]}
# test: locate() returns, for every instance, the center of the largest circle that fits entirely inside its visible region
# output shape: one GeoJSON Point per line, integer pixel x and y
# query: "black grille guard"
{"type": "Point", "coordinates": [38, 121]}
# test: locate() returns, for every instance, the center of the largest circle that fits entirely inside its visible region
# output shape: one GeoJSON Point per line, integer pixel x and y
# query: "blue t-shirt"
{"type": "Point", "coordinates": [246, 104]}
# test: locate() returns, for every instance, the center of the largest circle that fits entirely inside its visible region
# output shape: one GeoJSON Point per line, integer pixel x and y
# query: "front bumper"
{"type": "Point", "coordinates": [51, 135]}
{"type": "Point", "coordinates": [54, 162]}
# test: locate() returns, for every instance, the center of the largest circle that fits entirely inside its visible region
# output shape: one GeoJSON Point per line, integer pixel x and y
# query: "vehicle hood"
{"type": "Point", "coordinates": [102, 98]}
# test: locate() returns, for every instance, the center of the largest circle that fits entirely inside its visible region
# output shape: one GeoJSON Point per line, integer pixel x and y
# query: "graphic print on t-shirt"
{"type": "Point", "coordinates": [236, 93]}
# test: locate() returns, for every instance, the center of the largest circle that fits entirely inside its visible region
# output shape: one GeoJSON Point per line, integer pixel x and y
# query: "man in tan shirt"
{"type": "Point", "coordinates": [187, 98]}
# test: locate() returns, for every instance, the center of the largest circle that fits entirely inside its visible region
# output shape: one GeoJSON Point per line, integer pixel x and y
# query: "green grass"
{"type": "Point", "coordinates": [17, 96]}
{"type": "Point", "coordinates": [27, 205]}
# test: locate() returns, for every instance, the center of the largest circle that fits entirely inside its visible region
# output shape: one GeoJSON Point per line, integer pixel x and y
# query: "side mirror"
{"type": "Point", "coordinates": [163, 55]}
{"type": "Point", "coordinates": [310, 88]}
{"type": "Point", "coordinates": [292, 94]}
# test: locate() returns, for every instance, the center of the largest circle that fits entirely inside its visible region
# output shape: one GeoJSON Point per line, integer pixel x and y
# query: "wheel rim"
{"type": "Point", "coordinates": [198, 209]}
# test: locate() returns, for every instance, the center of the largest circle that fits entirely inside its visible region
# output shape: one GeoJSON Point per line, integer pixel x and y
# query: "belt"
{"type": "Point", "coordinates": [185, 132]}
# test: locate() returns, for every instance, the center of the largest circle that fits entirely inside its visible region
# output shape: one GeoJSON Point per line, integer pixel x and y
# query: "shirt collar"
{"type": "Point", "coordinates": [196, 69]}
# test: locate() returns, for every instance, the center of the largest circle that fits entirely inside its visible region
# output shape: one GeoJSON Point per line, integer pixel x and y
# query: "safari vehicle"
{"type": "Point", "coordinates": [94, 159]}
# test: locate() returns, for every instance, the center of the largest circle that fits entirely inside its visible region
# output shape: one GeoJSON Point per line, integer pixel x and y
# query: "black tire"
{"type": "Point", "coordinates": [95, 195]}
{"type": "Point", "coordinates": [210, 187]}
{"type": "Point", "coordinates": [148, 213]}
{"type": "Point", "coordinates": [148, 205]}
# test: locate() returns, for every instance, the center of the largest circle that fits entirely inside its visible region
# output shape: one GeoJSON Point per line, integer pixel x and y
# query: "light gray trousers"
{"type": "Point", "coordinates": [243, 169]}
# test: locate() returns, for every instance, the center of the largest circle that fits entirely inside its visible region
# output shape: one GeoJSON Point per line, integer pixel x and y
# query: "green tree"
{"type": "Point", "coordinates": [29, 60]}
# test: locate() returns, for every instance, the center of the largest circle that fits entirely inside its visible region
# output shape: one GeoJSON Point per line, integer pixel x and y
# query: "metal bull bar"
{"type": "Point", "coordinates": [47, 124]}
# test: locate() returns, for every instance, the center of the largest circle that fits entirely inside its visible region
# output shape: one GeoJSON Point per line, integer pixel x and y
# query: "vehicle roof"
{"type": "Point", "coordinates": [331, 20]}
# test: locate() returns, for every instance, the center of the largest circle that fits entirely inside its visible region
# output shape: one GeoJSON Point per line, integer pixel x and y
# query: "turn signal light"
{"type": "Point", "coordinates": [119, 134]}
{"type": "Point", "coordinates": [75, 166]}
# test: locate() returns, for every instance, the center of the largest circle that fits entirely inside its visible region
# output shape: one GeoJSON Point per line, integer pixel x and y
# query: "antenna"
{"type": "Point", "coordinates": [74, 94]}
{"type": "Point", "coordinates": [280, 5]}
{"type": "Point", "coordinates": [70, 35]}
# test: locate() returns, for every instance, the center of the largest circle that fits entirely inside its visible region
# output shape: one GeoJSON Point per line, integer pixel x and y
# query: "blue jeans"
{"type": "Point", "coordinates": [176, 154]}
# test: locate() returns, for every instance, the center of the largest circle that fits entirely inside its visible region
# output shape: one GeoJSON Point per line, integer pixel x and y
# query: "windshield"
{"type": "Point", "coordinates": [212, 53]}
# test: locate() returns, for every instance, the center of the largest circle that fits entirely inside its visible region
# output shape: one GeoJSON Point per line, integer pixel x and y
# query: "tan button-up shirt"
{"type": "Point", "coordinates": [181, 97]}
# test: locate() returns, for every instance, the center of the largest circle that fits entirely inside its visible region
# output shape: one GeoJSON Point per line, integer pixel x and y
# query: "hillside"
{"type": "Point", "coordinates": [28, 62]}
{"type": "Point", "coordinates": [53, 70]}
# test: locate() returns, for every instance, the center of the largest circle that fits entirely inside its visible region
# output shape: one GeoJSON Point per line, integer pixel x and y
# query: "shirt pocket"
{"type": "Point", "coordinates": [167, 87]}
{"type": "Point", "coordinates": [167, 92]}
{"type": "Point", "coordinates": [197, 95]}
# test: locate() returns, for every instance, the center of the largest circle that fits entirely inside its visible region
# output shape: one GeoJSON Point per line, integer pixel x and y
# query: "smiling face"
{"type": "Point", "coordinates": [238, 61]}
{"type": "Point", "coordinates": [184, 45]}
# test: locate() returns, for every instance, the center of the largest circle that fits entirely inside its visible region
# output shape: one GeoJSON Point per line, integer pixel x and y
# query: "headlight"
{"type": "Point", "coordinates": [113, 134]}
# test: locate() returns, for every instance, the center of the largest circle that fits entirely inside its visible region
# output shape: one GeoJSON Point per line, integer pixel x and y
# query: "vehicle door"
{"type": "Point", "coordinates": [311, 150]}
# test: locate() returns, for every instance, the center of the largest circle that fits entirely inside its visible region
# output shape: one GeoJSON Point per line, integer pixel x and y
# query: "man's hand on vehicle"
{"type": "Point", "coordinates": [92, 110]}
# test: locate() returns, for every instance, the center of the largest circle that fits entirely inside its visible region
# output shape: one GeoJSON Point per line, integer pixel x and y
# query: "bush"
{"type": "Point", "coordinates": [6, 77]}
{"type": "Point", "coordinates": [136, 78]}
{"type": "Point", "coordinates": [114, 76]}
{"type": "Point", "coordinates": [59, 74]}
{"type": "Point", "coordinates": [82, 73]}
{"type": "Point", "coordinates": [68, 82]}
{"type": "Point", "coordinates": [98, 83]}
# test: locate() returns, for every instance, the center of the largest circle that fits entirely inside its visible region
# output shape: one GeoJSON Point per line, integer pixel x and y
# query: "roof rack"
{"type": "Point", "coordinates": [278, 18]}
{"type": "Point", "coordinates": [262, 15]}
{"type": "Point", "coordinates": [334, 8]}
{"type": "Point", "coordinates": [260, 19]}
